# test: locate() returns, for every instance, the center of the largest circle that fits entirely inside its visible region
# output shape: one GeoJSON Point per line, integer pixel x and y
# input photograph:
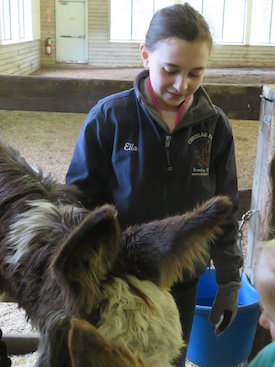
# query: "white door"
{"type": "Point", "coordinates": [71, 30]}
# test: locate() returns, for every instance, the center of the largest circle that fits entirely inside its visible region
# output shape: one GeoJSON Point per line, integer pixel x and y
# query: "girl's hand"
{"type": "Point", "coordinates": [225, 306]}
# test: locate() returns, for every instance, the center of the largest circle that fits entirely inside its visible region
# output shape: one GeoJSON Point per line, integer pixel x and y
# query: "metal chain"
{"type": "Point", "coordinates": [245, 218]}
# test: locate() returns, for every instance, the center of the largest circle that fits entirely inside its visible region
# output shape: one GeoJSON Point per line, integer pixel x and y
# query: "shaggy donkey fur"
{"type": "Point", "coordinates": [85, 342]}
{"type": "Point", "coordinates": [63, 263]}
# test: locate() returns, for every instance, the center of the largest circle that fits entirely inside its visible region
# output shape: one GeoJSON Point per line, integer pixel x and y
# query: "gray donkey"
{"type": "Point", "coordinates": [76, 275]}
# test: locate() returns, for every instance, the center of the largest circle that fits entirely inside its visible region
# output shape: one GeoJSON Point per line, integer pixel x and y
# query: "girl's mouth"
{"type": "Point", "coordinates": [175, 95]}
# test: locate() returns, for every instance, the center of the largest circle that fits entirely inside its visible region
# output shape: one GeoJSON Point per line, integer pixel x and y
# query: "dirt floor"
{"type": "Point", "coordinates": [47, 141]}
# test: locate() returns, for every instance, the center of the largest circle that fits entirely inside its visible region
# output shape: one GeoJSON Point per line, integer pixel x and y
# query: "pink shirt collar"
{"type": "Point", "coordinates": [156, 105]}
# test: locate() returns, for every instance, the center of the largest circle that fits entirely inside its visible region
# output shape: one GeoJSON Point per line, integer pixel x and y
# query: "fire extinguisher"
{"type": "Point", "coordinates": [48, 44]}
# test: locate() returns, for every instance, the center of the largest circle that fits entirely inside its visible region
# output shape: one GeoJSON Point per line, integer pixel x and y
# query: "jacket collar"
{"type": "Point", "coordinates": [200, 107]}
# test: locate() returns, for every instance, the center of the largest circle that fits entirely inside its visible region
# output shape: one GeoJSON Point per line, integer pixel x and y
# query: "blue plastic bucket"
{"type": "Point", "coordinates": [234, 345]}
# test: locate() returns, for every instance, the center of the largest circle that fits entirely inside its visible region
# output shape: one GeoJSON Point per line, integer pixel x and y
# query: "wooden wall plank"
{"type": "Point", "coordinates": [35, 93]}
{"type": "Point", "coordinates": [244, 202]}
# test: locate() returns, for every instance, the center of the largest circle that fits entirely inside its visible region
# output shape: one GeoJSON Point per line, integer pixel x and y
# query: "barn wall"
{"type": "Point", "coordinates": [125, 54]}
{"type": "Point", "coordinates": [26, 57]}
{"type": "Point", "coordinates": [103, 53]}
{"type": "Point", "coordinates": [242, 56]}
{"type": "Point", "coordinates": [20, 58]}
{"type": "Point", "coordinates": [47, 24]}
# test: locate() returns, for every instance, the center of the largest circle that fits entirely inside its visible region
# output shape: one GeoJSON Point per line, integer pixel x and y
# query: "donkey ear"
{"type": "Point", "coordinates": [87, 255]}
{"type": "Point", "coordinates": [160, 250]}
{"type": "Point", "coordinates": [88, 348]}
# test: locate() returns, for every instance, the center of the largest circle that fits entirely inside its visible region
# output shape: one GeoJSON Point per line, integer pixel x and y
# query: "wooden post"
{"type": "Point", "coordinates": [262, 198]}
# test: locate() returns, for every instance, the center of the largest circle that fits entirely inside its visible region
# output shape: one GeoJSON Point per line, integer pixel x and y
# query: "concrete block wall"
{"type": "Point", "coordinates": [26, 57]}
{"type": "Point", "coordinates": [20, 58]}
{"type": "Point", "coordinates": [47, 30]}
{"type": "Point", "coordinates": [242, 56]}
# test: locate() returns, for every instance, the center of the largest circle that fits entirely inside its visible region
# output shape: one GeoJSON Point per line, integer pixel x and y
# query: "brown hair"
{"type": "Point", "coordinates": [178, 21]}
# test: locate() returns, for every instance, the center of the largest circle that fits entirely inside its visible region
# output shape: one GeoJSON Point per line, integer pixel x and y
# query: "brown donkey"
{"type": "Point", "coordinates": [69, 267]}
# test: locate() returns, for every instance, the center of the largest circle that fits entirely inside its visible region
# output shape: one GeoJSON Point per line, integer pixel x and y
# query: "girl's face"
{"type": "Point", "coordinates": [265, 286]}
{"type": "Point", "coordinates": [266, 322]}
{"type": "Point", "coordinates": [176, 69]}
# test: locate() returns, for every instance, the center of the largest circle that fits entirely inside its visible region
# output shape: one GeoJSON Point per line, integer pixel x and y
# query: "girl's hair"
{"type": "Point", "coordinates": [177, 21]}
{"type": "Point", "coordinates": [265, 276]}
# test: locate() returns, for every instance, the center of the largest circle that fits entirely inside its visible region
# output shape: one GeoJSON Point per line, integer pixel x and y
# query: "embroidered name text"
{"type": "Point", "coordinates": [130, 147]}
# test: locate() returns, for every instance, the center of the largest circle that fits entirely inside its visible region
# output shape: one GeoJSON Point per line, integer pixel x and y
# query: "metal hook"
{"type": "Point", "coordinates": [267, 99]}
{"type": "Point", "coordinates": [246, 217]}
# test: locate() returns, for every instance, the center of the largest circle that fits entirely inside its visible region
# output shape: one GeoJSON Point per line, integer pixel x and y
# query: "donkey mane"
{"type": "Point", "coordinates": [30, 183]}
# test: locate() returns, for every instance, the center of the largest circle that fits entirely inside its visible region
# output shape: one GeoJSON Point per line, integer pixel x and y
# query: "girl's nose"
{"type": "Point", "coordinates": [264, 321]}
{"type": "Point", "coordinates": [181, 83]}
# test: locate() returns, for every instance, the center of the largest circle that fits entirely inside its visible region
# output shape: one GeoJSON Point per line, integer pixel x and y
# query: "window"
{"type": "Point", "coordinates": [16, 21]}
{"type": "Point", "coordinates": [130, 18]}
{"type": "Point", "coordinates": [6, 21]}
{"type": "Point", "coordinates": [21, 17]}
{"type": "Point", "coordinates": [226, 18]}
{"type": "Point", "coordinates": [263, 22]}
{"type": "Point", "coordinates": [230, 21]}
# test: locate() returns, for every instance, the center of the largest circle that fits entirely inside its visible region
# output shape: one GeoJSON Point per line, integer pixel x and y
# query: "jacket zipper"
{"type": "Point", "coordinates": [167, 148]}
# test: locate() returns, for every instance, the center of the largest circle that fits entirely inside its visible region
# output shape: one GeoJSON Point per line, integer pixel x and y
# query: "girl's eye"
{"type": "Point", "coordinates": [169, 71]}
{"type": "Point", "coordinates": [192, 75]}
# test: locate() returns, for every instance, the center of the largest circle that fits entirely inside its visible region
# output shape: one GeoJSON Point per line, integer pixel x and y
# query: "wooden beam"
{"type": "Point", "coordinates": [240, 102]}
{"type": "Point", "coordinates": [36, 93]}
{"type": "Point", "coordinates": [30, 93]}
{"type": "Point", "coordinates": [21, 343]}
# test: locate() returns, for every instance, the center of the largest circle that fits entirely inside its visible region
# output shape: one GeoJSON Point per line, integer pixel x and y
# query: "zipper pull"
{"type": "Point", "coordinates": [167, 147]}
{"type": "Point", "coordinates": [167, 141]}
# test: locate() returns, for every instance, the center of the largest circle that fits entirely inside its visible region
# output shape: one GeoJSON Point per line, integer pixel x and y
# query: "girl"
{"type": "Point", "coordinates": [162, 147]}
{"type": "Point", "coordinates": [265, 285]}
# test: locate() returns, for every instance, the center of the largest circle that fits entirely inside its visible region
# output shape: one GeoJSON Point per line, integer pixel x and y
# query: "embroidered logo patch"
{"type": "Point", "coordinates": [202, 149]}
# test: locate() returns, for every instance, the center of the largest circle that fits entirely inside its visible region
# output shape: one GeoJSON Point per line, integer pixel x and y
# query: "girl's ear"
{"type": "Point", "coordinates": [144, 55]}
